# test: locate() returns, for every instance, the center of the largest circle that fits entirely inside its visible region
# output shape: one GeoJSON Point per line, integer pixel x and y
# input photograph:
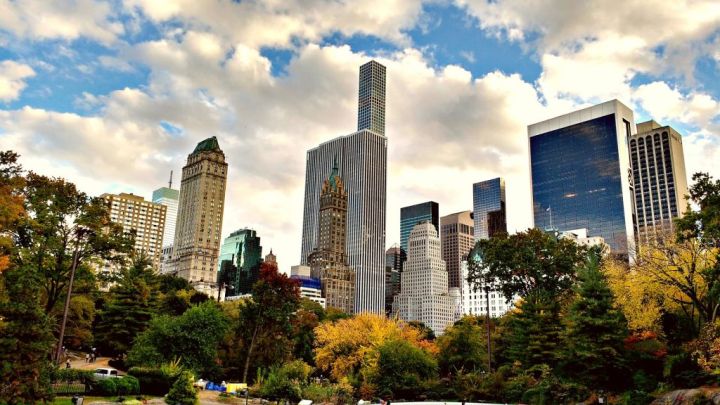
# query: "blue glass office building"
{"type": "Point", "coordinates": [580, 173]}
{"type": "Point", "coordinates": [489, 208]}
{"type": "Point", "coordinates": [413, 215]}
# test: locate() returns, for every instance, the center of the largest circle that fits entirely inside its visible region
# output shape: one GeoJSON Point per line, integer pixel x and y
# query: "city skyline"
{"type": "Point", "coordinates": [111, 103]}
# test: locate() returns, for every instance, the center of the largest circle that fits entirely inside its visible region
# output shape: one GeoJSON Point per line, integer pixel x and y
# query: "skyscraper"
{"type": "Point", "coordinates": [581, 176]}
{"type": "Point", "coordinates": [393, 263]}
{"type": "Point", "coordinates": [169, 198]}
{"type": "Point", "coordinates": [413, 215]}
{"type": "Point", "coordinates": [489, 208]}
{"type": "Point", "coordinates": [660, 183]}
{"type": "Point", "coordinates": [456, 240]}
{"type": "Point", "coordinates": [145, 218]}
{"type": "Point", "coordinates": [371, 98]}
{"type": "Point", "coordinates": [200, 215]}
{"type": "Point", "coordinates": [362, 164]}
{"type": "Point", "coordinates": [241, 249]}
{"type": "Point", "coordinates": [424, 295]}
{"type": "Point", "coordinates": [328, 262]}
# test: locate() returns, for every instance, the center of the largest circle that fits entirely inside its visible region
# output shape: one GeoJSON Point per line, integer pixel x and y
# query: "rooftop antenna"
{"type": "Point", "coordinates": [170, 182]}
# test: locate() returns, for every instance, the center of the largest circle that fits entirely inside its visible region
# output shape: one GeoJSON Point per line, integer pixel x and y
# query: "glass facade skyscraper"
{"type": "Point", "coordinates": [168, 197]}
{"type": "Point", "coordinates": [489, 208]}
{"type": "Point", "coordinates": [241, 249]}
{"type": "Point", "coordinates": [580, 173]}
{"type": "Point", "coordinates": [371, 98]}
{"type": "Point", "coordinates": [413, 215]}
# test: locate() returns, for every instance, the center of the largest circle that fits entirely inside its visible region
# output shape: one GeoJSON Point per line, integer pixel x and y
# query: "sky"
{"type": "Point", "coordinates": [113, 95]}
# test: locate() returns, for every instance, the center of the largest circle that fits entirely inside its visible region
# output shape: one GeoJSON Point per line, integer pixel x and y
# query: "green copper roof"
{"type": "Point", "coordinates": [209, 144]}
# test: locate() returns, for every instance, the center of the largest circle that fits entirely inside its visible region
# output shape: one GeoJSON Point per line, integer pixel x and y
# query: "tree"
{"type": "Point", "coordinates": [526, 262]}
{"type": "Point", "coordinates": [702, 224]}
{"type": "Point", "coordinates": [402, 369]}
{"type": "Point", "coordinates": [595, 333]}
{"type": "Point", "coordinates": [306, 319]}
{"type": "Point", "coordinates": [11, 203]}
{"type": "Point", "coordinates": [182, 392]}
{"type": "Point", "coordinates": [60, 221]}
{"type": "Point", "coordinates": [25, 338]}
{"type": "Point", "coordinates": [192, 337]}
{"type": "Point", "coordinates": [425, 331]}
{"type": "Point", "coordinates": [131, 304]}
{"type": "Point", "coordinates": [349, 347]}
{"type": "Point", "coordinates": [266, 317]}
{"type": "Point", "coordinates": [463, 348]}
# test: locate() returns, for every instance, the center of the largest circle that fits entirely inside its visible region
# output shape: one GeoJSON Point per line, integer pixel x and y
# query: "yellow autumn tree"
{"type": "Point", "coordinates": [349, 347]}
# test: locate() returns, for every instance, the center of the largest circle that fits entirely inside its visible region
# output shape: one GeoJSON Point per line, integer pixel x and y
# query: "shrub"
{"type": "Point", "coordinates": [73, 374]}
{"type": "Point", "coordinates": [153, 381]}
{"type": "Point", "coordinates": [105, 387]}
{"type": "Point", "coordinates": [128, 385]}
{"type": "Point", "coordinates": [683, 372]}
{"type": "Point", "coordinates": [635, 397]}
{"type": "Point", "coordinates": [182, 391]}
{"type": "Point", "coordinates": [278, 386]}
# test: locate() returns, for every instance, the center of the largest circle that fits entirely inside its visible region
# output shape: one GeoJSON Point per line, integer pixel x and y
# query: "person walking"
{"type": "Point", "coordinates": [67, 363]}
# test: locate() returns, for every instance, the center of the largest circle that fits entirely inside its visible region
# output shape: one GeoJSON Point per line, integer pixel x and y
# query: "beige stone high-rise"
{"type": "Point", "coordinates": [457, 239]}
{"type": "Point", "coordinates": [200, 215]}
{"type": "Point", "coordinates": [145, 218]}
{"type": "Point", "coordinates": [328, 262]}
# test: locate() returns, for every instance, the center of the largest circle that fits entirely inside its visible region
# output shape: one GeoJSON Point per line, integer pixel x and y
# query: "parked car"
{"type": "Point", "coordinates": [106, 373]}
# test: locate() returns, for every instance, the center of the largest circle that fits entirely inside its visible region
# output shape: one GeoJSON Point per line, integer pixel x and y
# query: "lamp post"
{"type": "Point", "coordinates": [76, 258]}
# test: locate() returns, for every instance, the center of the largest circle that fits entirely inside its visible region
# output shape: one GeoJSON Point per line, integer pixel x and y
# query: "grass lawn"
{"type": "Point", "coordinates": [90, 400]}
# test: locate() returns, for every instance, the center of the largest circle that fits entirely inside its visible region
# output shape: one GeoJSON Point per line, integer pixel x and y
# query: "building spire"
{"type": "Point", "coordinates": [170, 182]}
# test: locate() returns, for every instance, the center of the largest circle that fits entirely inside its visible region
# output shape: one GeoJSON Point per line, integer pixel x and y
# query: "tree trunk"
{"type": "Point", "coordinates": [249, 353]}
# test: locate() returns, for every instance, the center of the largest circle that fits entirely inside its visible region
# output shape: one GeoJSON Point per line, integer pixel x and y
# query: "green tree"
{"type": "Point", "coordinates": [61, 221]}
{"type": "Point", "coordinates": [704, 223]}
{"type": "Point", "coordinates": [402, 369]}
{"type": "Point", "coordinates": [265, 319]}
{"type": "Point", "coordinates": [306, 319]}
{"type": "Point", "coordinates": [131, 304]}
{"type": "Point", "coordinates": [182, 392]}
{"type": "Point", "coordinates": [192, 337]}
{"type": "Point", "coordinates": [526, 262]}
{"type": "Point", "coordinates": [25, 338]}
{"type": "Point", "coordinates": [425, 331]}
{"type": "Point", "coordinates": [463, 348]}
{"type": "Point", "coordinates": [595, 332]}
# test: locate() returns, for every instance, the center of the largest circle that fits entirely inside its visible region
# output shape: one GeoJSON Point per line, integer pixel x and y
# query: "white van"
{"type": "Point", "coordinates": [106, 373]}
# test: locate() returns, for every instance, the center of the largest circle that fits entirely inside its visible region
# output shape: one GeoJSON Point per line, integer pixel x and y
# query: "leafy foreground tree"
{"type": "Point", "coordinates": [182, 392]}
{"type": "Point", "coordinates": [403, 370]}
{"type": "Point", "coordinates": [131, 304]}
{"type": "Point", "coordinates": [25, 339]}
{"type": "Point", "coordinates": [463, 348]}
{"type": "Point", "coordinates": [595, 332]}
{"type": "Point", "coordinates": [265, 320]}
{"type": "Point", "coordinates": [192, 337]}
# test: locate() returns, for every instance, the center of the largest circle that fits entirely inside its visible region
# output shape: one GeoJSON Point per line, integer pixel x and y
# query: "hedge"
{"type": "Point", "coordinates": [153, 381]}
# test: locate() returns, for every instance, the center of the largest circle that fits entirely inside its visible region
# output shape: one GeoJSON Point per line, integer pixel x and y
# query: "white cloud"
{"type": "Point", "coordinates": [64, 19]}
{"type": "Point", "coordinates": [669, 104]}
{"type": "Point", "coordinates": [12, 79]}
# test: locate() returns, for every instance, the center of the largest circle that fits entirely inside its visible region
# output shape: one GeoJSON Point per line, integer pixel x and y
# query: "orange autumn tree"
{"type": "Point", "coordinates": [349, 347]}
{"type": "Point", "coordinates": [11, 202]}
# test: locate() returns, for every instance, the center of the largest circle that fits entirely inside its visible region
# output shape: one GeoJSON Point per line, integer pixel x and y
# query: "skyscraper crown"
{"type": "Point", "coordinates": [207, 145]}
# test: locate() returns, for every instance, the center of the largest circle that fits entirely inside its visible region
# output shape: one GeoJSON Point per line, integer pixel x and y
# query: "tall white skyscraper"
{"type": "Point", "coordinates": [168, 197]}
{"type": "Point", "coordinates": [362, 164]}
{"type": "Point", "coordinates": [424, 294]}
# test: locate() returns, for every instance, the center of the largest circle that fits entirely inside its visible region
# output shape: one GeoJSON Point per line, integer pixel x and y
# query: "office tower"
{"type": "Point", "coordinates": [456, 240]}
{"type": "Point", "coordinates": [489, 208]}
{"type": "Point", "coordinates": [328, 262]}
{"type": "Point", "coordinates": [200, 215]}
{"type": "Point", "coordinates": [581, 174]}
{"type": "Point", "coordinates": [371, 98]}
{"type": "Point", "coordinates": [392, 276]}
{"type": "Point", "coordinates": [473, 298]}
{"type": "Point", "coordinates": [362, 163]}
{"type": "Point", "coordinates": [168, 197]}
{"type": "Point", "coordinates": [271, 258]}
{"type": "Point", "coordinates": [413, 215]}
{"type": "Point", "coordinates": [660, 183]}
{"type": "Point", "coordinates": [145, 218]}
{"type": "Point", "coordinates": [242, 250]}
{"type": "Point", "coordinates": [424, 294]}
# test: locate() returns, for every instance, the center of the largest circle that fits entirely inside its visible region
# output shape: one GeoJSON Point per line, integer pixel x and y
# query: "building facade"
{"type": "Point", "coordinates": [413, 215]}
{"type": "Point", "coordinates": [361, 159]}
{"type": "Point", "coordinates": [371, 98]}
{"type": "Point", "coordinates": [424, 294]}
{"type": "Point", "coordinates": [581, 174]}
{"type": "Point", "coordinates": [457, 238]}
{"type": "Point", "coordinates": [393, 264]}
{"type": "Point", "coordinates": [474, 298]}
{"type": "Point", "coordinates": [310, 288]}
{"type": "Point", "coordinates": [489, 208]}
{"type": "Point", "coordinates": [200, 214]}
{"type": "Point", "coordinates": [170, 198]}
{"type": "Point", "coordinates": [328, 262]}
{"type": "Point", "coordinates": [241, 255]}
{"type": "Point", "coordinates": [145, 218]}
{"type": "Point", "coordinates": [659, 179]}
